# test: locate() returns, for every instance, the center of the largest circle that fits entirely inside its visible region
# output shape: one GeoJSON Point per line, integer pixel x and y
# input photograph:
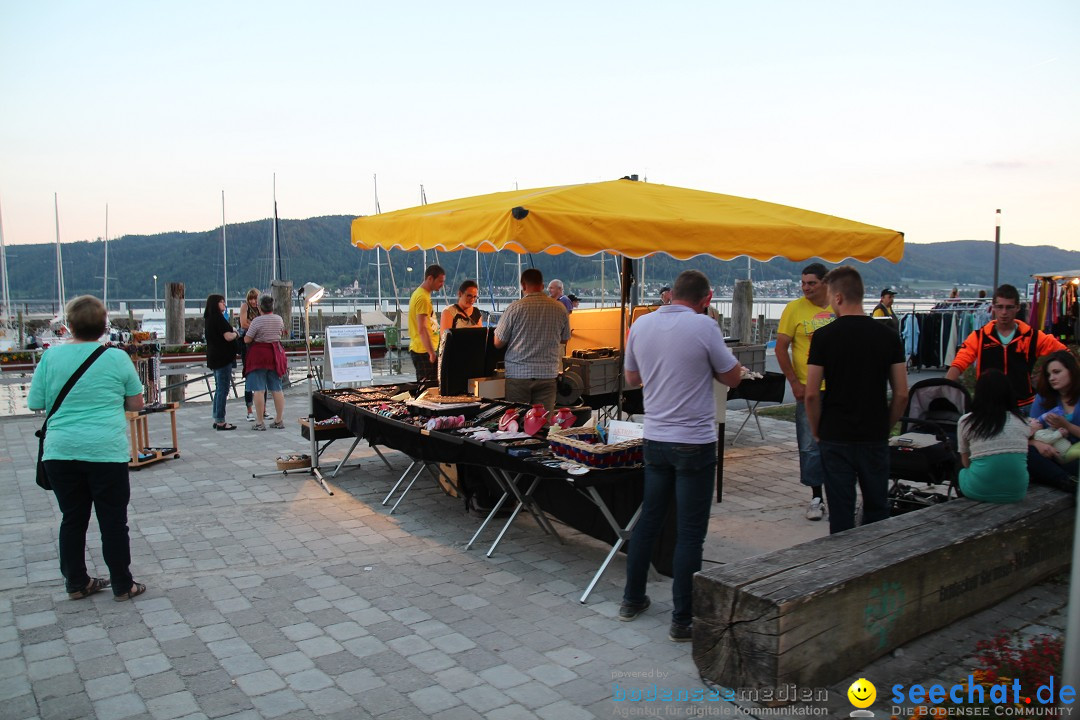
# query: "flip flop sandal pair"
{"type": "Point", "coordinates": [94, 586]}
{"type": "Point", "coordinates": [224, 426]}
{"type": "Point", "coordinates": [136, 590]}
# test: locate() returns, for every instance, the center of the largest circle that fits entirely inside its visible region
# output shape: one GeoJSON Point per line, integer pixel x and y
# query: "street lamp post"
{"type": "Point", "coordinates": [155, 292]}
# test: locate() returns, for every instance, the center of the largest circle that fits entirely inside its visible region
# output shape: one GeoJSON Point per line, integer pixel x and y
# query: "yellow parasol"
{"type": "Point", "coordinates": [632, 218]}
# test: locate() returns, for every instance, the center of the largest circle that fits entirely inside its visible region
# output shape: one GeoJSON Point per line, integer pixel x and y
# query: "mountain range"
{"type": "Point", "coordinates": [318, 249]}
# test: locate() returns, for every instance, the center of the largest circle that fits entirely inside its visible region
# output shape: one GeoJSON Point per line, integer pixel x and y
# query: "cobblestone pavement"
{"type": "Point", "coordinates": [269, 598]}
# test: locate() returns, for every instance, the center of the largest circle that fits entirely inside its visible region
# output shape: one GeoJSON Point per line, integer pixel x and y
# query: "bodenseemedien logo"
{"type": "Point", "coordinates": [862, 694]}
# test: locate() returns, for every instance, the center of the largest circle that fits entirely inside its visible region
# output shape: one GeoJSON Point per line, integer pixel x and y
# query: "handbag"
{"type": "Point", "coordinates": [42, 476]}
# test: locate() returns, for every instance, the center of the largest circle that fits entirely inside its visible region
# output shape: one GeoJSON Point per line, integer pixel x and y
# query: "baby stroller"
{"type": "Point", "coordinates": [923, 458]}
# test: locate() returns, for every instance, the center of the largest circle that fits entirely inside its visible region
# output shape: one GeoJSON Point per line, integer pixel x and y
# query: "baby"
{"type": "Point", "coordinates": [1057, 438]}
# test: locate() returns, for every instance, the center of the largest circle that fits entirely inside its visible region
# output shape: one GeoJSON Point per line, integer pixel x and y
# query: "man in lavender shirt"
{"type": "Point", "coordinates": [675, 353]}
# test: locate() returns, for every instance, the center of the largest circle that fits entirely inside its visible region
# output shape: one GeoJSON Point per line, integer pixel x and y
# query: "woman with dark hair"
{"type": "Point", "coordinates": [220, 355]}
{"type": "Point", "coordinates": [464, 312]}
{"type": "Point", "coordinates": [266, 362]}
{"type": "Point", "coordinates": [86, 448]}
{"type": "Point", "coordinates": [993, 441]}
{"type": "Point", "coordinates": [1058, 387]}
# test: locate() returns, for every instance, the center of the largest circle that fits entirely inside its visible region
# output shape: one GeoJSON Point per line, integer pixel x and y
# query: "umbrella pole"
{"type": "Point", "coordinates": [624, 300]}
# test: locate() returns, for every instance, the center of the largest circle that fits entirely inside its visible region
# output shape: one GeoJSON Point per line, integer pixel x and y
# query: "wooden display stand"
{"type": "Point", "coordinates": [139, 431]}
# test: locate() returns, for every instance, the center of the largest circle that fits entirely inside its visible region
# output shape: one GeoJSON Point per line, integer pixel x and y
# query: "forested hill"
{"type": "Point", "coordinates": [318, 249]}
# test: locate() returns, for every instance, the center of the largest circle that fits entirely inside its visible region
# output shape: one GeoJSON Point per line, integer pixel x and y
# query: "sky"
{"type": "Point", "coordinates": [920, 116]}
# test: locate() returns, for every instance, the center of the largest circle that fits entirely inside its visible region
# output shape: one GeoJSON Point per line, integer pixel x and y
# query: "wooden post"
{"type": "Point", "coordinates": [742, 302]}
{"type": "Point", "coordinates": [175, 332]}
{"type": "Point", "coordinates": [762, 335]}
{"type": "Point", "coordinates": [282, 290]}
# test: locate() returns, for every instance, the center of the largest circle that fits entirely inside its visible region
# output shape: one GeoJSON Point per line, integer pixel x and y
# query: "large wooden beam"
{"type": "Point", "coordinates": [175, 331]}
{"type": "Point", "coordinates": [816, 612]}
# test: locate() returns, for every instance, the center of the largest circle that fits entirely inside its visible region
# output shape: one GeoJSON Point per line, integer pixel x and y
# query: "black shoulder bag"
{"type": "Point", "coordinates": [42, 476]}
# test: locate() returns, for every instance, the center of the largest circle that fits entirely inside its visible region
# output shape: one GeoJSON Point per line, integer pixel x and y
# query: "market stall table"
{"type": "Point", "coordinates": [603, 504]}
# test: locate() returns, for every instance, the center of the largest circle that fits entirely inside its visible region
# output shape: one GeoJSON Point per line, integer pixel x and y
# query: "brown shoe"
{"type": "Point", "coordinates": [136, 590]}
{"type": "Point", "coordinates": [95, 585]}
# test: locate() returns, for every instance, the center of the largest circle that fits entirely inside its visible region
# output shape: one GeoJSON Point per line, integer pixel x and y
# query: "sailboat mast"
{"type": "Point", "coordinates": [378, 264]}
{"type": "Point", "coordinates": [105, 280]}
{"type": "Point", "coordinates": [273, 234]}
{"type": "Point", "coordinates": [5, 313]}
{"type": "Point", "coordinates": [224, 249]}
{"type": "Point", "coordinates": [59, 262]}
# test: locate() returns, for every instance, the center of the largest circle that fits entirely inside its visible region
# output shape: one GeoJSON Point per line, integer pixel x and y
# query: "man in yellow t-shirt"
{"type": "Point", "coordinates": [423, 330]}
{"type": "Point", "coordinates": [797, 325]}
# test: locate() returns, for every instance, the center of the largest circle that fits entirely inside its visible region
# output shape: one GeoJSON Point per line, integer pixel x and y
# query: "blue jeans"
{"type": "Point", "coordinates": [222, 385]}
{"type": "Point", "coordinates": [848, 463]}
{"type": "Point", "coordinates": [687, 473]}
{"type": "Point", "coordinates": [103, 486]}
{"type": "Point", "coordinates": [810, 471]}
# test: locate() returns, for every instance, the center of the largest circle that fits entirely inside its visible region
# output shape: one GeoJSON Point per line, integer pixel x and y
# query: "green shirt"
{"type": "Point", "coordinates": [90, 425]}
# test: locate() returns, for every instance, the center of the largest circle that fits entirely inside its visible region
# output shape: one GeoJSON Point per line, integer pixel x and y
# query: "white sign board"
{"type": "Point", "coordinates": [619, 430]}
{"type": "Point", "coordinates": [347, 354]}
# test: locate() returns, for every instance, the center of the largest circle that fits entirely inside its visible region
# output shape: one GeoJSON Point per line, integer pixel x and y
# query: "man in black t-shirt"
{"type": "Point", "coordinates": [859, 359]}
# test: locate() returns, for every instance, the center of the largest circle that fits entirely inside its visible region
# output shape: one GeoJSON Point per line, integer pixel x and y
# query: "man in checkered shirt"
{"type": "Point", "coordinates": [533, 330]}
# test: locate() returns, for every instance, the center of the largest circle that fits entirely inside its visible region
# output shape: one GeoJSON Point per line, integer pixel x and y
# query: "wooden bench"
{"type": "Point", "coordinates": [814, 613]}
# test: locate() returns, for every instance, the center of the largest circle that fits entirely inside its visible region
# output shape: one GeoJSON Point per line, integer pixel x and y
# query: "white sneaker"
{"type": "Point", "coordinates": [251, 417]}
{"type": "Point", "coordinates": [816, 509]}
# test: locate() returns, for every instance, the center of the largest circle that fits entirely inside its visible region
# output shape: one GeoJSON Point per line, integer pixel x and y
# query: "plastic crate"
{"type": "Point", "coordinates": [752, 357]}
{"type": "Point", "coordinates": [598, 376]}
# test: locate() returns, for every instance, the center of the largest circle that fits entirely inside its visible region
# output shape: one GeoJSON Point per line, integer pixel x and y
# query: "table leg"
{"type": "Point", "coordinates": [347, 456]}
{"type": "Point", "coordinates": [172, 422]}
{"type": "Point", "coordinates": [400, 480]}
{"type": "Point", "coordinates": [381, 456]}
{"type": "Point", "coordinates": [491, 515]}
{"type": "Point", "coordinates": [622, 535]}
{"type": "Point", "coordinates": [720, 463]}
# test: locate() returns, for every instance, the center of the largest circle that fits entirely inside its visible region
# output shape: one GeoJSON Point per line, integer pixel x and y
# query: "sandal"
{"type": "Point", "coordinates": [224, 426]}
{"type": "Point", "coordinates": [278, 425]}
{"type": "Point", "coordinates": [136, 590]}
{"type": "Point", "coordinates": [95, 585]}
{"type": "Point", "coordinates": [258, 426]}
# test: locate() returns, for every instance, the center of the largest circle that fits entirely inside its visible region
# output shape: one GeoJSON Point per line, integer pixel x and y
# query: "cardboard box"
{"type": "Point", "coordinates": [492, 388]}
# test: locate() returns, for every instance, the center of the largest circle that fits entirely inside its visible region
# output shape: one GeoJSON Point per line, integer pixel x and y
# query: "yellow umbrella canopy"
{"type": "Point", "coordinates": [632, 218]}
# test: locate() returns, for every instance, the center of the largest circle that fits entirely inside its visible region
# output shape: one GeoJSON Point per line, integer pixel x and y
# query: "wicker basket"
{"type": "Point", "coordinates": [582, 445]}
{"type": "Point", "coordinates": [293, 462]}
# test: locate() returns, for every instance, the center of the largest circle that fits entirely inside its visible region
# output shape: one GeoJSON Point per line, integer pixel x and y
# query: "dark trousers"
{"type": "Point", "coordinates": [426, 371]}
{"type": "Point", "coordinates": [78, 485]}
{"type": "Point", "coordinates": [848, 464]}
{"type": "Point", "coordinates": [685, 473]}
{"type": "Point", "coordinates": [1045, 471]}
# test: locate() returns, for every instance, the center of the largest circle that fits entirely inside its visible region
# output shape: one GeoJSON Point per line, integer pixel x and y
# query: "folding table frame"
{"type": "Point", "coordinates": [508, 483]}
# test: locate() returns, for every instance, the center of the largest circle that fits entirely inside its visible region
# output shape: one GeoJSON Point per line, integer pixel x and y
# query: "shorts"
{"type": "Point", "coordinates": [260, 380]}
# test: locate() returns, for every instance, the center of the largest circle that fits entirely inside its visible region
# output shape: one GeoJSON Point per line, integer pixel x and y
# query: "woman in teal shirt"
{"type": "Point", "coordinates": [86, 448]}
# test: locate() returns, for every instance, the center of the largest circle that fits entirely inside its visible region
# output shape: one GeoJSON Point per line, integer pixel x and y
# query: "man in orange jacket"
{"type": "Point", "coordinates": [1006, 344]}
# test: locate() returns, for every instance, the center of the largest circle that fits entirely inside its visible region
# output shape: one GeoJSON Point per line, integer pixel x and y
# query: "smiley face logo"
{"type": "Point", "coordinates": [862, 693]}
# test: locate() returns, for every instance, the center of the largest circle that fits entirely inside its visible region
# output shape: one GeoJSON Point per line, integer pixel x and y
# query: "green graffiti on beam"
{"type": "Point", "coordinates": [884, 607]}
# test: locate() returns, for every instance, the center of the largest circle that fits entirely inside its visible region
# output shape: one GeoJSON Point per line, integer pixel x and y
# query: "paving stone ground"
{"type": "Point", "coordinates": [270, 599]}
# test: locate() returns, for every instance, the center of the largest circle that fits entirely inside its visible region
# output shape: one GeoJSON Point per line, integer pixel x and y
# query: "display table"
{"type": "Point", "coordinates": [139, 432]}
{"type": "Point", "coordinates": [603, 504]}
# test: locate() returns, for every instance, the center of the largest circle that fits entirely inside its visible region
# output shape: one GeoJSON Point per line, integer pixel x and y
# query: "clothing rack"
{"type": "Point", "coordinates": [932, 338]}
